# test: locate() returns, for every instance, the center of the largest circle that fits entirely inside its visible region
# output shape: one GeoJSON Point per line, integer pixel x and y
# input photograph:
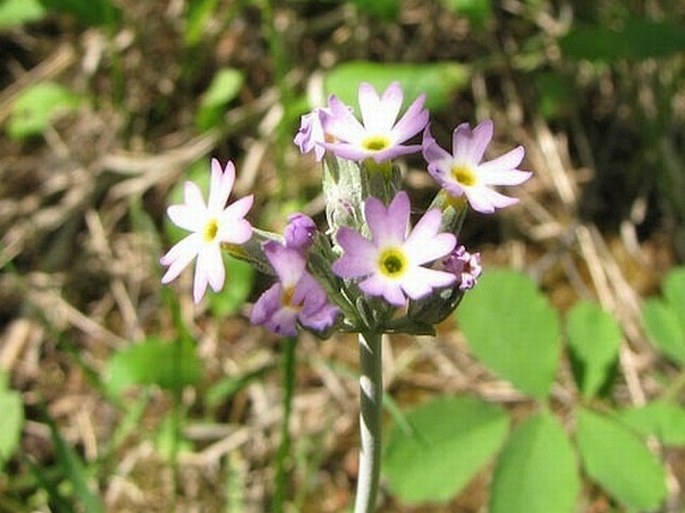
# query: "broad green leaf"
{"type": "Point", "coordinates": [594, 337]}
{"type": "Point", "coordinates": [674, 293]}
{"type": "Point", "coordinates": [38, 106]}
{"type": "Point", "coordinates": [12, 411]}
{"type": "Point", "coordinates": [477, 11]}
{"type": "Point", "coordinates": [660, 419]}
{"type": "Point", "coordinates": [237, 288]}
{"type": "Point", "coordinates": [620, 462]}
{"type": "Point", "coordinates": [18, 12]}
{"type": "Point", "coordinates": [664, 329]}
{"type": "Point", "coordinates": [224, 87]}
{"type": "Point", "coordinates": [451, 440]}
{"type": "Point", "coordinates": [637, 39]}
{"type": "Point", "coordinates": [513, 330]}
{"type": "Point", "coordinates": [169, 365]}
{"type": "Point", "coordinates": [88, 12]}
{"type": "Point", "coordinates": [537, 470]}
{"type": "Point", "coordinates": [439, 81]}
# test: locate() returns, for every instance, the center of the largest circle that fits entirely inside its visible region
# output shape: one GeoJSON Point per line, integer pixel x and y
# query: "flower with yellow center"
{"type": "Point", "coordinates": [463, 173]}
{"type": "Point", "coordinates": [391, 263]}
{"type": "Point", "coordinates": [296, 298]}
{"type": "Point", "coordinates": [210, 225]}
{"type": "Point", "coordinates": [380, 136]}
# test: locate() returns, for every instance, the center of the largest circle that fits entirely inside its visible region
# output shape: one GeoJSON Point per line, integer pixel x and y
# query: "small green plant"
{"type": "Point", "coordinates": [538, 467]}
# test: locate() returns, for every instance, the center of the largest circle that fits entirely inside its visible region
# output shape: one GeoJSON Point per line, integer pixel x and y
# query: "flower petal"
{"type": "Point", "coordinates": [179, 256]}
{"type": "Point", "coordinates": [208, 270]}
{"type": "Point", "coordinates": [509, 160]}
{"type": "Point", "coordinates": [412, 121]}
{"type": "Point", "coordinates": [420, 281]}
{"type": "Point", "coordinates": [267, 304]}
{"type": "Point", "coordinates": [391, 290]}
{"type": "Point", "coordinates": [220, 186]}
{"type": "Point", "coordinates": [188, 217]}
{"type": "Point", "coordinates": [388, 226]}
{"type": "Point", "coordinates": [341, 123]}
{"type": "Point", "coordinates": [348, 151]}
{"type": "Point", "coordinates": [469, 146]}
{"type": "Point", "coordinates": [288, 263]}
{"type": "Point", "coordinates": [503, 177]}
{"type": "Point", "coordinates": [379, 114]}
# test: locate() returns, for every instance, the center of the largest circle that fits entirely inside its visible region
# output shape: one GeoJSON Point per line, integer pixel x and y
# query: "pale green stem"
{"type": "Point", "coordinates": [370, 400]}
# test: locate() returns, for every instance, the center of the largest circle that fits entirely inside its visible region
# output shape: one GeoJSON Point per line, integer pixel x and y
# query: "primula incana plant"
{"type": "Point", "coordinates": [368, 271]}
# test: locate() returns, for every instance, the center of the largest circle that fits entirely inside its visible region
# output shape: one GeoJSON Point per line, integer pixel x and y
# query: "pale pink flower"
{"type": "Point", "coordinates": [391, 263]}
{"type": "Point", "coordinates": [210, 225]}
{"type": "Point", "coordinates": [464, 173]}
{"type": "Point", "coordinates": [380, 136]}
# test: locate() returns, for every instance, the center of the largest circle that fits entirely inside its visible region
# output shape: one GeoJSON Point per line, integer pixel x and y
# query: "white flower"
{"type": "Point", "coordinates": [211, 225]}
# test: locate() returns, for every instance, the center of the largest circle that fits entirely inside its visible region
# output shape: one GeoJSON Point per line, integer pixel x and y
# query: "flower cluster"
{"type": "Point", "coordinates": [370, 269]}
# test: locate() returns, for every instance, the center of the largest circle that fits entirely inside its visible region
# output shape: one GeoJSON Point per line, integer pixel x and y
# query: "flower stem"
{"type": "Point", "coordinates": [283, 454]}
{"type": "Point", "coordinates": [370, 398]}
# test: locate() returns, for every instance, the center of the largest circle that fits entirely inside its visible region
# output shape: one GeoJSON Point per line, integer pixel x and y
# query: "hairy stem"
{"type": "Point", "coordinates": [371, 395]}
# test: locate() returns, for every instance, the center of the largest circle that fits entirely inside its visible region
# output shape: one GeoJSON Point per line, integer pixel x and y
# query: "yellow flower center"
{"type": "Point", "coordinates": [464, 175]}
{"type": "Point", "coordinates": [211, 229]}
{"type": "Point", "coordinates": [376, 143]}
{"type": "Point", "coordinates": [392, 263]}
{"type": "Point", "coordinates": [287, 298]}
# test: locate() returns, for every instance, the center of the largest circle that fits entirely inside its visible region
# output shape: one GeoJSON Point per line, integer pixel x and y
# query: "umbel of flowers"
{"type": "Point", "coordinates": [370, 270]}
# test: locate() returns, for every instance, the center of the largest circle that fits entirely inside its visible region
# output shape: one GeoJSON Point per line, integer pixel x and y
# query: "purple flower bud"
{"type": "Point", "coordinates": [299, 233]}
{"type": "Point", "coordinates": [465, 266]}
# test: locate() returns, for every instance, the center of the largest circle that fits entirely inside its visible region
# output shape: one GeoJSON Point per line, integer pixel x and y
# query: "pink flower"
{"type": "Point", "coordinates": [297, 296]}
{"type": "Point", "coordinates": [462, 172]}
{"type": "Point", "coordinates": [211, 225]}
{"type": "Point", "coordinates": [391, 263]}
{"type": "Point", "coordinates": [379, 137]}
{"type": "Point", "coordinates": [465, 266]}
{"type": "Point", "coordinates": [299, 232]}
{"type": "Point", "coordinates": [310, 135]}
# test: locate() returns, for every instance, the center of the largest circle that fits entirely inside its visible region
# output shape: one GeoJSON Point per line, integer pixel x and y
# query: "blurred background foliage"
{"type": "Point", "coordinates": [118, 395]}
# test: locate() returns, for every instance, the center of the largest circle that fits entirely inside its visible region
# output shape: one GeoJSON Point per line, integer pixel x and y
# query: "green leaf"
{"type": "Point", "coordinates": [513, 330]}
{"type": "Point", "coordinates": [594, 337]}
{"type": "Point", "coordinates": [439, 81]}
{"type": "Point", "coordinates": [660, 419]}
{"type": "Point", "coordinates": [451, 440]}
{"type": "Point", "coordinates": [637, 39]}
{"type": "Point", "coordinates": [237, 288]}
{"type": "Point", "coordinates": [537, 470]}
{"type": "Point", "coordinates": [12, 411]}
{"type": "Point", "coordinates": [614, 457]}
{"type": "Point", "coordinates": [477, 11]}
{"type": "Point", "coordinates": [75, 471]}
{"type": "Point", "coordinates": [225, 87]}
{"type": "Point", "coordinates": [674, 292]}
{"type": "Point", "coordinates": [169, 365]}
{"type": "Point", "coordinates": [18, 12]}
{"type": "Point", "coordinates": [38, 106]}
{"type": "Point", "coordinates": [385, 10]}
{"type": "Point", "coordinates": [554, 92]}
{"type": "Point", "coordinates": [664, 329]}
{"type": "Point", "coordinates": [197, 16]}
{"type": "Point", "coordinates": [88, 12]}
